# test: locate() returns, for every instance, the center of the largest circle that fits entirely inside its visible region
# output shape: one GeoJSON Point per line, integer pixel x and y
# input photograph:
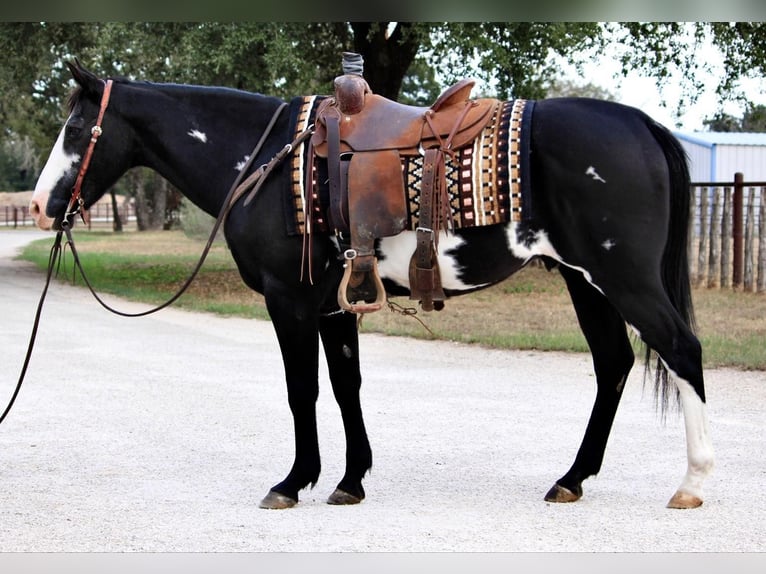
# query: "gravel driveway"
{"type": "Point", "coordinates": [162, 433]}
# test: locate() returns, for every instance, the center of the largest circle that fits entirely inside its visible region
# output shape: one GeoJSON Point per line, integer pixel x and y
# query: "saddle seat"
{"type": "Point", "coordinates": [384, 124]}
{"type": "Point", "coordinates": [363, 137]}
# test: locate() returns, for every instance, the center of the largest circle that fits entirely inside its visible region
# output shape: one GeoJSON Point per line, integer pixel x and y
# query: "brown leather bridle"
{"type": "Point", "coordinates": [238, 189]}
{"type": "Point", "coordinates": [95, 132]}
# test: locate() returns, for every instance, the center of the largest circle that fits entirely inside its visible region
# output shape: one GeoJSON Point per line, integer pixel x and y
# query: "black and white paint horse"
{"type": "Point", "coordinates": [611, 194]}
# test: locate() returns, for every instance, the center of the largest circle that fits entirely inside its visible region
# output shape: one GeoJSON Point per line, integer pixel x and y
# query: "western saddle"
{"type": "Point", "coordinates": [363, 137]}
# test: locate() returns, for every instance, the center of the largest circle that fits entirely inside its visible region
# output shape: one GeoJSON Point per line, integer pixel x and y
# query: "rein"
{"type": "Point", "coordinates": [235, 192]}
{"type": "Point", "coordinates": [52, 259]}
{"type": "Point", "coordinates": [75, 206]}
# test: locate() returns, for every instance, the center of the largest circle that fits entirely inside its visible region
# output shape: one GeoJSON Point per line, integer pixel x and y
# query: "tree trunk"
{"type": "Point", "coordinates": [150, 192]}
{"type": "Point", "coordinates": [386, 58]}
{"type": "Point", "coordinates": [116, 221]}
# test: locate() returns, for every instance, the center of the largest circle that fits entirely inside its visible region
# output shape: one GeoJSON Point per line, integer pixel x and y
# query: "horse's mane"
{"type": "Point", "coordinates": [77, 93]}
{"type": "Point", "coordinates": [74, 97]}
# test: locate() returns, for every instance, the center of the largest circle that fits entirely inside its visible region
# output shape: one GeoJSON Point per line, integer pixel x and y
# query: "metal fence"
{"type": "Point", "coordinates": [16, 216]}
{"type": "Point", "coordinates": [727, 230]}
{"type": "Point", "coordinates": [100, 215]}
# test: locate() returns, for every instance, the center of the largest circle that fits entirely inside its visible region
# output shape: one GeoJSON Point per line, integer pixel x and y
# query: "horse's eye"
{"type": "Point", "coordinates": [74, 128]}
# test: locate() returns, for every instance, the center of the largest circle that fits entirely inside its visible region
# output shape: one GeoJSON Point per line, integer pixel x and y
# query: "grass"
{"type": "Point", "coordinates": [530, 310]}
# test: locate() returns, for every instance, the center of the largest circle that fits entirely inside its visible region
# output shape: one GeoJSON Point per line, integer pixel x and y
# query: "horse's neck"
{"type": "Point", "coordinates": [199, 141]}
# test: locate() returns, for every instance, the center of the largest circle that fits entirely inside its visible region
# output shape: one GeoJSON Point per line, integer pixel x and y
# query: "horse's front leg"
{"type": "Point", "coordinates": [341, 345]}
{"type": "Point", "coordinates": [296, 323]}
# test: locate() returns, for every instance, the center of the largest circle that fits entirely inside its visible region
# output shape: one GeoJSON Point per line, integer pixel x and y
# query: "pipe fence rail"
{"type": "Point", "coordinates": [727, 230]}
{"type": "Point", "coordinates": [100, 215]}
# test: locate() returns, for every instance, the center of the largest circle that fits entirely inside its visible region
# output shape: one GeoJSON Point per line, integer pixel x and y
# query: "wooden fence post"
{"type": "Point", "coordinates": [739, 178]}
{"type": "Point", "coordinates": [703, 240]}
{"type": "Point", "coordinates": [749, 237]}
{"type": "Point", "coordinates": [714, 265]}
{"type": "Point", "coordinates": [690, 241]}
{"type": "Point", "coordinates": [726, 235]}
{"type": "Point", "coordinates": [761, 284]}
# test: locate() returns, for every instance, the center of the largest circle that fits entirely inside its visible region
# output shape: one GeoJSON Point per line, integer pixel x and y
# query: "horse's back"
{"type": "Point", "coordinates": [585, 126]}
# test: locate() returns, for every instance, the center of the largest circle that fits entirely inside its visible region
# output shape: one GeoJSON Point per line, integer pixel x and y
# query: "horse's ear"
{"type": "Point", "coordinates": [88, 80]}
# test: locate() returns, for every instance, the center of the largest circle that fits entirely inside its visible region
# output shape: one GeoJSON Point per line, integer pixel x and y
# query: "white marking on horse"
{"type": "Point", "coordinates": [59, 164]}
{"type": "Point", "coordinates": [608, 244]}
{"type": "Point", "coordinates": [540, 245]}
{"type": "Point", "coordinates": [591, 171]}
{"type": "Point", "coordinates": [198, 135]}
{"type": "Point", "coordinates": [398, 250]}
{"type": "Point", "coordinates": [699, 446]}
{"type": "Point", "coordinates": [240, 165]}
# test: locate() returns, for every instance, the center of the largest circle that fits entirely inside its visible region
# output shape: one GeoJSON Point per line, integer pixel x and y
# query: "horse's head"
{"type": "Point", "coordinates": [67, 172]}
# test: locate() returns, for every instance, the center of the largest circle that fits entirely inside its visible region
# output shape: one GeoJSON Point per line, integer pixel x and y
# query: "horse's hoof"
{"type": "Point", "coordinates": [342, 497]}
{"type": "Point", "coordinates": [275, 501]}
{"type": "Point", "coordinates": [560, 494]}
{"type": "Point", "coordinates": [684, 500]}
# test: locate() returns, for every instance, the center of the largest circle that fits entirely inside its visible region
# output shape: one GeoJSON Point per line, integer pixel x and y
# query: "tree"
{"type": "Point", "coordinates": [662, 50]}
{"type": "Point", "coordinates": [753, 120]}
{"type": "Point", "coordinates": [18, 164]}
{"type": "Point", "coordinates": [513, 58]}
{"type": "Point", "coordinates": [33, 78]}
{"type": "Point", "coordinates": [568, 88]}
{"type": "Point", "coordinates": [411, 61]}
{"type": "Point", "coordinates": [150, 193]}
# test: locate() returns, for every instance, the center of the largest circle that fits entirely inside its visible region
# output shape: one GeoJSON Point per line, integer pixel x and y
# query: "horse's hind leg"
{"type": "Point", "coordinates": [341, 345]}
{"type": "Point", "coordinates": [650, 312]}
{"type": "Point", "coordinates": [605, 332]}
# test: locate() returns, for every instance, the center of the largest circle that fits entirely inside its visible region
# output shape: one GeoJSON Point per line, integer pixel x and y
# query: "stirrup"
{"type": "Point", "coordinates": [362, 307]}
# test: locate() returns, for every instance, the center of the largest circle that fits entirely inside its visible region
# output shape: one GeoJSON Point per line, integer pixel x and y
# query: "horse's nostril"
{"type": "Point", "coordinates": [34, 208]}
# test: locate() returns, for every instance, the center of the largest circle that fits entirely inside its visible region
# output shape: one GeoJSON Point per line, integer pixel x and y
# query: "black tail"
{"type": "Point", "coordinates": [675, 258]}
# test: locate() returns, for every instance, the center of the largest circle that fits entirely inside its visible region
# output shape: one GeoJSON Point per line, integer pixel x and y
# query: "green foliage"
{"type": "Point", "coordinates": [413, 61]}
{"type": "Point", "coordinates": [15, 175]}
{"type": "Point", "coordinates": [679, 49]}
{"type": "Point", "coordinates": [562, 88]}
{"type": "Point", "coordinates": [195, 223]}
{"type": "Point", "coordinates": [515, 57]}
{"type": "Point", "coordinates": [743, 45]}
{"type": "Point", "coordinates": [753, 120]}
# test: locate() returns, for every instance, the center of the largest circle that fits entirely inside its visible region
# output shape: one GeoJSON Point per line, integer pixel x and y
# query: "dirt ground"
{"type": "Point", "coordinates": [161, 434]}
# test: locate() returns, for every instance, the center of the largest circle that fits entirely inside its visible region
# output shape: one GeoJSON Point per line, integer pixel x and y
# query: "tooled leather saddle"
{"type": "Point", "coordinates": [363, 137]}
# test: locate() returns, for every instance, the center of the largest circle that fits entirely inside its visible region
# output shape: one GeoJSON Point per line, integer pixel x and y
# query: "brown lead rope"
{"type": "Point", "coordinates": [52, 259]}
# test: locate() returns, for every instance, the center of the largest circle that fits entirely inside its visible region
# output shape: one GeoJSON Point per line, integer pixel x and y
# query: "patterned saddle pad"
{"type": "Point", "coordinates": [488, 182]}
